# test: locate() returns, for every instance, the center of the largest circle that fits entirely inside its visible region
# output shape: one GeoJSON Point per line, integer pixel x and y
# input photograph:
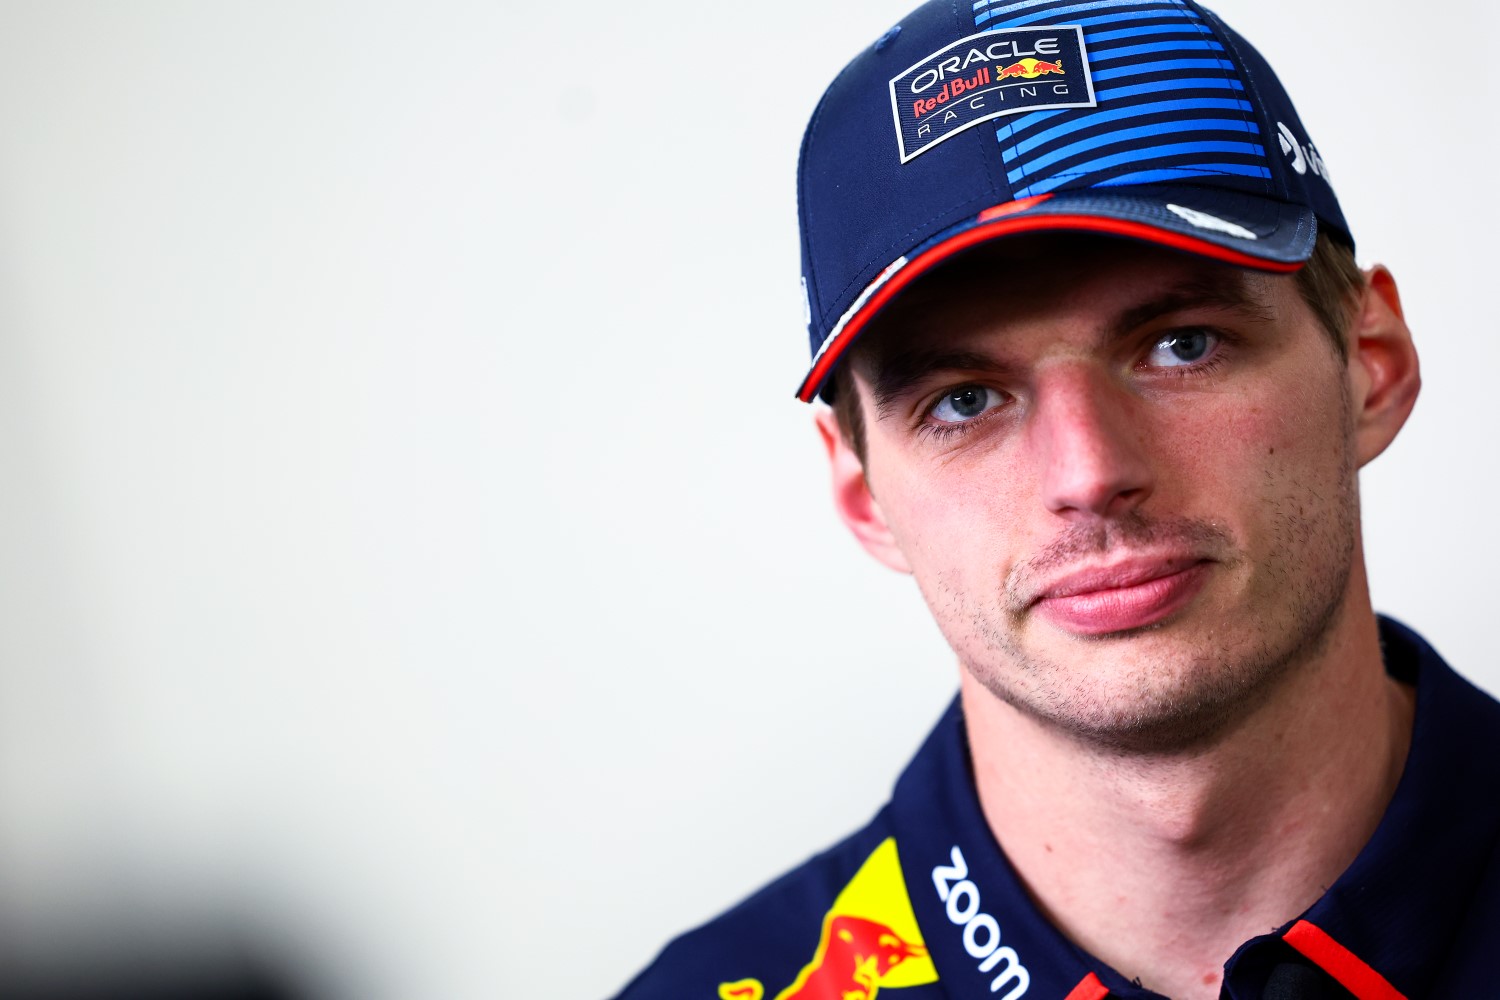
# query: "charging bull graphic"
{"type": "Point", "coordinates": [1029, 69]}
{"type": "Point", "coordinates": [853, 958]}
{"type": "Point", "coordinates": [870, 940]}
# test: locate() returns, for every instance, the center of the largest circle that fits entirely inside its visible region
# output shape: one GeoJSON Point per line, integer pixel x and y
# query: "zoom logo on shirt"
{"type": "Point", "coordinates": [981, 931]}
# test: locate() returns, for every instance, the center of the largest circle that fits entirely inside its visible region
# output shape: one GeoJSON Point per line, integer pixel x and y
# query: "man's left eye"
{"type": "Point", "coordinates": [966, 403]}
{"type": "Point", "coordinates": [1177, 350]}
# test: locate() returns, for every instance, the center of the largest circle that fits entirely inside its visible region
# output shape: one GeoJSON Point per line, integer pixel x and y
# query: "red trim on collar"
{"type": "Point", "coordinates": [1090, 989]}
{"type": "Point", "coordinates": [1340, 963]}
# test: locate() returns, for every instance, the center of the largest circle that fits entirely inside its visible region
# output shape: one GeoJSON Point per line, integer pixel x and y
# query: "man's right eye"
{"type": "Point", "coordinates": [965, 403]}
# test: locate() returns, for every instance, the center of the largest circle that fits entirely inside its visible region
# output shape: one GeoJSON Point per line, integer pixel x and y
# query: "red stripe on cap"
{"type": "Point", "coordinates": [1007, 225]}
{"type": "Point", "coordinates": [1090, 989]}
{"type": "Point", "coordinates": [1013, 207]}
{"type": "Point", "coordinates": [1340, 963]}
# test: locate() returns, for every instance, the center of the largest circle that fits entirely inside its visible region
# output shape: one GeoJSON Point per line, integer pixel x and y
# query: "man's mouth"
{"type": "Point", "coordinates": [1132, 594]}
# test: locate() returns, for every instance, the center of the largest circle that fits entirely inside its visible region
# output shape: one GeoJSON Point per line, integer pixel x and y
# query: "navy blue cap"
{"type": "Point", "coordinates": [1145, 119]}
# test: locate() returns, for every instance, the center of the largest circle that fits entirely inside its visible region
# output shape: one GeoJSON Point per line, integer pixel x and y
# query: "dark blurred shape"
{"type": "Point", "coordinates": [248, 981]}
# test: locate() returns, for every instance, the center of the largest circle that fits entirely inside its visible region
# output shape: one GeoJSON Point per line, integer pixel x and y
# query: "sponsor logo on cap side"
{"type": "Point", "coordinates": [986, 76]}
{"type": "Point", "coordinates": [1303, 157]}
{"type": "Point", "coordinates": [1205, 221]}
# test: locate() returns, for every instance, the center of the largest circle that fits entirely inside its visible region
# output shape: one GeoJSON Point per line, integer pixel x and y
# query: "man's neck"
{"type": "Point", "coordinates": [1163, 865]}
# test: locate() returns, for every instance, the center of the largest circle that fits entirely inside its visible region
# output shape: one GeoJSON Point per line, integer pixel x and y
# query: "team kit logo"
{"type": "Point", "coordinates": [871, 943]}
{"type": "Point", "coordinates": [986, 76]}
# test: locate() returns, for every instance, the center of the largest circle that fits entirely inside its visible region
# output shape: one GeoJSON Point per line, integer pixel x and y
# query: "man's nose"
{"type": "Point", "coordinates": [1089, 438]}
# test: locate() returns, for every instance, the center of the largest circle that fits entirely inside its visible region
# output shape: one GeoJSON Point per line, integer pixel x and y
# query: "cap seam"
{"type": "Point", "coordinates": [995, 196]}
{"type": "Point", "coordinates": [992, 170]}
{"type": "Point", "coordinates": [1004, 124]}
{"type": "Point", "coordinates": [861, 280]}
{"type": "Point", "coordinates": [802, 202]}
{"type": "Point", "coordinates": [962, 21]}
{"type": "Point", "coordinates": [1228, 72]}
{"type": "Point", "coordinates": [807, 142]}
{"type": "Point", "coordinates": [1202, 27]}
{"type": "Point", "coordinates": [1258, 101]}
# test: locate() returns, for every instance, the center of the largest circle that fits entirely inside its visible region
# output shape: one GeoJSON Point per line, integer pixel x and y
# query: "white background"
{"type": "Point", "coordinates": [411, 554]}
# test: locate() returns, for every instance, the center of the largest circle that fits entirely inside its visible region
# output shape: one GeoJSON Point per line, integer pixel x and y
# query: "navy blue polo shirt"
{"type": "Point", "coordinates": [922, 904]}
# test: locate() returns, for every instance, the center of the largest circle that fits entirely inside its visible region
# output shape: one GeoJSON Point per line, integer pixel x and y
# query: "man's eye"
{"type": "Point", "coordinates": [965, 403]}
{"type": "Point", "coordinates": [1184, 348]}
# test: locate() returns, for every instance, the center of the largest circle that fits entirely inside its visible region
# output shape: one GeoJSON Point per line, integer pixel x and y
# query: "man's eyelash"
{"type": "Point", "coordinates": [1197, 368]}
{"type": "Point", "coordinates": [1225, 344]}
{"type": "Point", "coordinates": [930, 430]}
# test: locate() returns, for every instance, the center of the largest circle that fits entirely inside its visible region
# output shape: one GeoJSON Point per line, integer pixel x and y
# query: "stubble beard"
{"type": "Point", "coordinates": [1117, 701]}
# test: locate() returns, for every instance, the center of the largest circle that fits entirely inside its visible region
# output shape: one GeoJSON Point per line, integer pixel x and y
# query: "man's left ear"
{"type": "Point", "coordinates": [1383, 366]}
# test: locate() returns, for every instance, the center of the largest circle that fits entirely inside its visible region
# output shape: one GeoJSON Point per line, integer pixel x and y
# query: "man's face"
{"type": "Point", "coordinates": [1124, 480]}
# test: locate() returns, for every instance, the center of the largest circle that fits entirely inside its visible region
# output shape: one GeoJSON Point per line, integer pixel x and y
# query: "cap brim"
{"type": "Point", "coordinates": [1240, 230]}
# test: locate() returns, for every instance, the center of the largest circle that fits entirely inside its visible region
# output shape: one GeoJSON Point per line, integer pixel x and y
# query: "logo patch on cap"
{"type": "Point", "coordinates": [986, 76]}
{"type": "Point", "coordinates": [1205, 221]}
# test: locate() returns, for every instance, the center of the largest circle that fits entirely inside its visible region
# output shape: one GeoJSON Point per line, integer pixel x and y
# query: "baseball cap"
{"type": "Point", "coordinates": [969, 122]}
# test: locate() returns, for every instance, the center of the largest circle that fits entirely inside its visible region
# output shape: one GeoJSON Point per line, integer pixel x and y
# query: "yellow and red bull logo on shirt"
{"type": "Point", "coordinates": [870, 942]}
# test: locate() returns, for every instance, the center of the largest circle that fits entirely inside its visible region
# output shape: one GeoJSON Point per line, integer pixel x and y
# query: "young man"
{"type": "Point", "coordinates": [1103, 373]}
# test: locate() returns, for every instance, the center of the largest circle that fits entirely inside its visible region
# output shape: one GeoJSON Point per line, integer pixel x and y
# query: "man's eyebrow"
{"type": "Point", "coordinates": [895, 374]}
{"type": "Point", "coordinates": [1214, 292]}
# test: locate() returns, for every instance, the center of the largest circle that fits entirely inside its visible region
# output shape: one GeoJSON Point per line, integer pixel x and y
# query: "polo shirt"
{"type": "Point", "coordinates": [922, 904]}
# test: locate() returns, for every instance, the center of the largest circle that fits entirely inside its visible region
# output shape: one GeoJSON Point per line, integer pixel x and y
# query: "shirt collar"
{"type": "Point", "coordinates": [1399, 905]}
{"type": "Point", "coordinates": [1392, 915]}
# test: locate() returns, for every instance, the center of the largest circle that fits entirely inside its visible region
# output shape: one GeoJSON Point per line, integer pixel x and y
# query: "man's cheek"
{"type": "Point", "coordinates": [964, 527]}
{"type": "Point", "coordinates": [1233, 443]}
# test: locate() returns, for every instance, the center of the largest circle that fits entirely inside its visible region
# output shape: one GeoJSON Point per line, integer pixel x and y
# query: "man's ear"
{"type": "Point", "coordinates": [1383, 366]}
{"type": "Point", "coordinates": [852, 498]}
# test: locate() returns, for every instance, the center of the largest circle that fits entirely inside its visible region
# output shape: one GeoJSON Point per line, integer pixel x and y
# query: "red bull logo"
{"type": "Point", "coordinates": [985, 76]}
{"type": "Point", "coordinates": [1029, 69]}
{"type": "Point", "coordinates": [869, 941]}
{"type": "Point", "coordinates": [853, 958]}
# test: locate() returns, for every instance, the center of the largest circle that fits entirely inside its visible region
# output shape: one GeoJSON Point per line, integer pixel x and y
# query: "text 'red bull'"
{"type": "Point", "coordinates": [1026, 69]}
{"type": "Point", "coordinates": [953, 88]}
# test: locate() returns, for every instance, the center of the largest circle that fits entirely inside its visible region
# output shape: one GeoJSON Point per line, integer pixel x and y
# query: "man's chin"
{"type": "Point", "coordinates": [1163, 688]}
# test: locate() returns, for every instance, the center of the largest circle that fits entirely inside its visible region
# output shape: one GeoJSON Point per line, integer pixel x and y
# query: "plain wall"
{"type": "Point", "coordinates": [412, 557]}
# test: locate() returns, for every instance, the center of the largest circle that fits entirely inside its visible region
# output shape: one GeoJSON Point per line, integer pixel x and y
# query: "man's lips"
{"type": "Point", "coordinates": [1126, 595]}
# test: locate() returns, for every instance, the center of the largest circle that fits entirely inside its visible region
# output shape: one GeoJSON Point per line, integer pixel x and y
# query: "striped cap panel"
{"type": "Point", "coordinates": [1171, 103]}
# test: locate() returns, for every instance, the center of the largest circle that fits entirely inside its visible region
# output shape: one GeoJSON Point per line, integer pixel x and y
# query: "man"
{"type": "Point", "coordinates": [1103, 373]}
